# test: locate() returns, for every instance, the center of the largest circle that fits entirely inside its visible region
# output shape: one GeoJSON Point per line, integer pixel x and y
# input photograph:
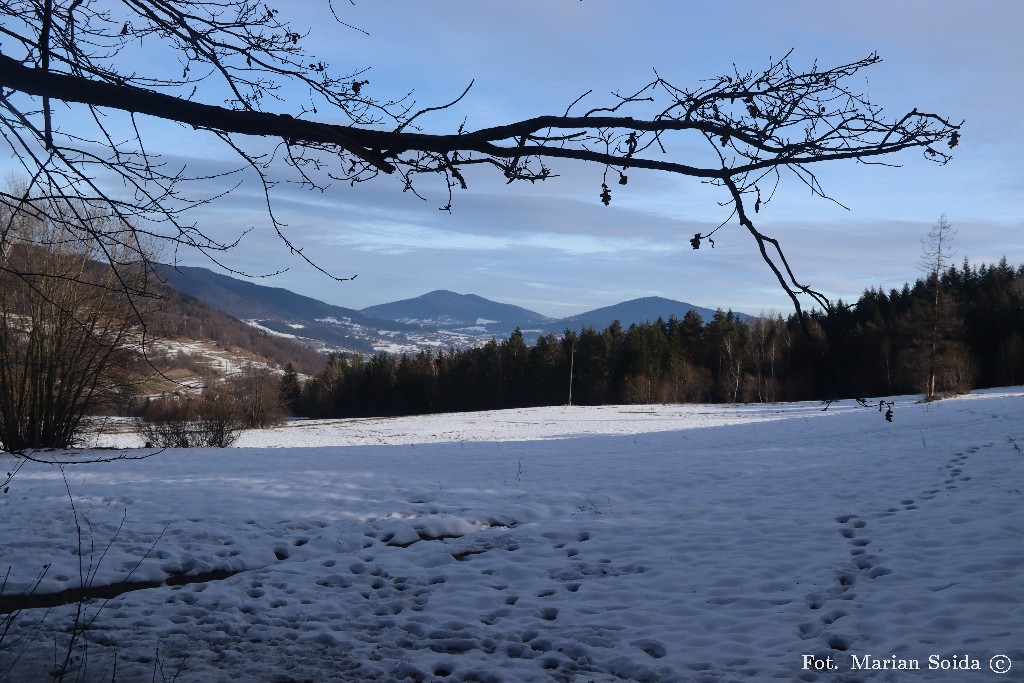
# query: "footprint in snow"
{"type": "Point", "coordinates": [490, 618]}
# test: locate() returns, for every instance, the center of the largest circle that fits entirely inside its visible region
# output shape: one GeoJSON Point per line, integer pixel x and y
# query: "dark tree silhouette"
{"type": "Point", "coordinates": [752, 125]}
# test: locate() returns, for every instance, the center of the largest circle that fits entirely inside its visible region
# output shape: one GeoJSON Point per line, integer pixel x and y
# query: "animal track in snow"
{"type": "Point", "coordinates": [846, 580]}
{"type": "Point", "coordinates": [548, 613]}
{"type": "Point", "coordinates": [865, 565]}
{"type": "Point", "coordinates": [833, 616]}
{"type": "Point", "coordinates": [954, 469]}
{"type": "Point", "coordinates": [491, 617]}
{"type": "Point", "coordinates": [652, 647]}
{"type": "Point", "coordinates": [851, 528]}
{"type": "Point", "coordinates": [837, 642]}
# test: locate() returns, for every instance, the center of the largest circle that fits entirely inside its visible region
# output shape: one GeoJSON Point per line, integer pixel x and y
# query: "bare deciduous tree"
{"type": "Point", "coordinates": [751, 125]}
{"type": "Point", "coordinates": [935, 258]}
{"type": "Point", "coordinates": [255, 391]}
{"type": "Point", "coordinates": [65, 327]}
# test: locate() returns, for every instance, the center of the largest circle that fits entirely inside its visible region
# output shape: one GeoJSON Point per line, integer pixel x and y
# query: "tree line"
{"type": "Point", "coordinates": [973, 318]}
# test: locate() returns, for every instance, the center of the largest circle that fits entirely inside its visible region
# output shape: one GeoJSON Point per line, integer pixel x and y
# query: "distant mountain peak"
{"type": "Point", "coordinates": [644, 309]}
{"type": "Point", "coordinates": [443, 306]}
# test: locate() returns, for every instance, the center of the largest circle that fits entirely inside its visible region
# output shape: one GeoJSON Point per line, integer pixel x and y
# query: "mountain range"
{"type": "Point", "coordinates": [437, 319]}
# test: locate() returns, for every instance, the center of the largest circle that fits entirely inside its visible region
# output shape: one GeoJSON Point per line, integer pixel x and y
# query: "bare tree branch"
{"type": "Point", "coordinates": [236, 56]}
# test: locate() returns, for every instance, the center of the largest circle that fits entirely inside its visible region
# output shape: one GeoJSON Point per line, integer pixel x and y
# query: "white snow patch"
{"type": "Point", "coordinates": [618, 543]}
{"type": "Point", "coordinates": [223, 362]}
{"type": "Point", "coordinates": [258, 326]}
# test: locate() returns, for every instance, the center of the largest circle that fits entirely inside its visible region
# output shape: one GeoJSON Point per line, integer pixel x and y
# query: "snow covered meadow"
{"type": "Point", "coordinates": [619, 543]}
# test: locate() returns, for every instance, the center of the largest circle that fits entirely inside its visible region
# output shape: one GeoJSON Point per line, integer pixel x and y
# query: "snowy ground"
{"type": "Point", "coordinates": [663, 543]}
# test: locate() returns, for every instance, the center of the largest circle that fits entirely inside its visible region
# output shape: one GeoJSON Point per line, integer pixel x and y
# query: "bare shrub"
{"type": "Point", "coordinates": [957, 371]}
{"type": "Point", "coordinates": [182, 421]}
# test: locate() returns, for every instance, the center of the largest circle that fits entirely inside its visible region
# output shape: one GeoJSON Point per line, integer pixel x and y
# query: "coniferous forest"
{"type": "Point", "coordinates": [960, 329]}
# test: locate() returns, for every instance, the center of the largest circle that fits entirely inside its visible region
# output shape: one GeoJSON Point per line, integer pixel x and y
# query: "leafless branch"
{"type": "Point", "coordinates": [751, 125]}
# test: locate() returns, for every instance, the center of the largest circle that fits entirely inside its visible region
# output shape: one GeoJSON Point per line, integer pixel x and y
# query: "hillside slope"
{"type": "Point", "coordinates": [315, 324]}
{"type": "Point", "coordinates": [180, 316]}
{"type": "Point", "coordinates": [248, 300]}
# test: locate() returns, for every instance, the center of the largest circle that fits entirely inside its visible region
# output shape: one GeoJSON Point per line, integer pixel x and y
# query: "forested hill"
{"type": "Point", "coordinates": [645, 308]}
{"type": "Point", "coordinates": [879, 346]}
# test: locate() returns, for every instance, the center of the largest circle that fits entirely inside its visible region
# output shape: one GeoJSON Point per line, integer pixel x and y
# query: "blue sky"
{"type": "Point", "coordinates": [554, 247]}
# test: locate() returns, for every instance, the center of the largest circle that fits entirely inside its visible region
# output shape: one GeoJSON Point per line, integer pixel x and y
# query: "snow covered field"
{"type": "Point", "coordinates": [623, 543]}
